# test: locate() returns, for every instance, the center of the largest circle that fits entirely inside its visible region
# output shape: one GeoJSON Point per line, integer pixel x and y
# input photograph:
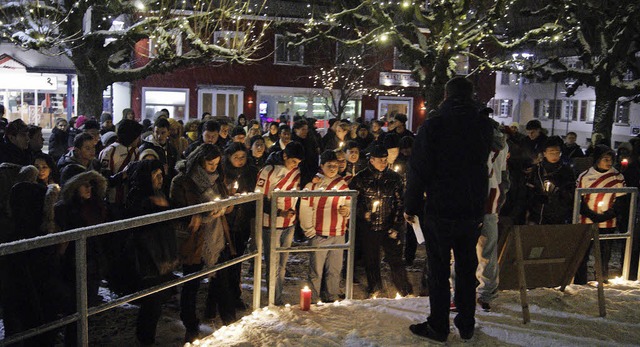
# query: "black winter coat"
{"type": "Point", "coordinates": [58, 143]}
{"type": "Point", "coordinates": [551, 202]}
{"type": "Point", "coordinates": [385, 187]}
{"type": "Point", "coordinates": [449, 163]}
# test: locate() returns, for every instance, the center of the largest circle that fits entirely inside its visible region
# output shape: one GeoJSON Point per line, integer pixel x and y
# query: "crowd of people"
{"type": "Point", "coordinates": [464, 180]}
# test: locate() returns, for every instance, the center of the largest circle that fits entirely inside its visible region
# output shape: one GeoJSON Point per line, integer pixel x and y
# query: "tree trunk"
{"type": "Point", "coordinates": [605, 109]}
{"type": "Point", "coordinates": [89, 95]}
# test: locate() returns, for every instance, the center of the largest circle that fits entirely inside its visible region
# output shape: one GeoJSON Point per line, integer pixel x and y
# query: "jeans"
{"type": "Point", "coordinates": [328, 263]}
{"type": "Point", "coordinates": [372, 241]}
{"type": "Point", "coordinates": [487, 250]}
{"type": "Point", "coordinates": [284, 238]}
{"type": "Point", "coordinates": [441, 236]}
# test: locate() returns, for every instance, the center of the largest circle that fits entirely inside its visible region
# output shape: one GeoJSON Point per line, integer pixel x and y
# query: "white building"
{"type": "Point", "coordinates": [521, 101]}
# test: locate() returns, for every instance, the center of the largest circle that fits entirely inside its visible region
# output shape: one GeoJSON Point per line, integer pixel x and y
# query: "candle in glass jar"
{"type": "Point", "coordinates": [624, 163]}
{"type": "Point", "coordinates": [305, 298]}
{"type": "Point", "coordinates": [376, 204]}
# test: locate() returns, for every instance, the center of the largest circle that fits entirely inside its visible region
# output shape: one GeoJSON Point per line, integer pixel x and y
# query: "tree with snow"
{"type": "Point", "coordinates": [434, 38]}
{"type": "Point", "coordinates": [102, 37]}
{"type": "Point", "coordinates": [603, 35]}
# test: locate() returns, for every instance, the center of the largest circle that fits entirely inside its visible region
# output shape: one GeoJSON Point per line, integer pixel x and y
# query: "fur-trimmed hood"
{"type": "Point", "coordinates": [97, 181]}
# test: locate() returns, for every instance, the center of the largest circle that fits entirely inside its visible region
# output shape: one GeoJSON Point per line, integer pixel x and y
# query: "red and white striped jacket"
{"type": "Point", "coordinates": [600, 202]}
{"type": "Point", "coordinates": [320, 213]}
{"type": "Point", "coordinates": [273, 177]}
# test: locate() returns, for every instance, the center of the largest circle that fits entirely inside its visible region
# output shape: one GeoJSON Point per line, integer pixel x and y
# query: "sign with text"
{"type": "Point", "coordinates": [397, 79]}
{"type": "Point", "coordinates": [29, 82]}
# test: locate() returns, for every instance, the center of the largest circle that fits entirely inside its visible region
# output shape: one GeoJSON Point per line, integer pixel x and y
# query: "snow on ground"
{"type": "Point", "coordinates": [557, 319]}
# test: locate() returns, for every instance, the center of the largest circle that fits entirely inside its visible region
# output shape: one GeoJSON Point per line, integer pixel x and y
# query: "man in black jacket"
{"type": "Point", "coordinates": [379, 221]}
{"type": "Point", "coordinates": [15, 147]}
{"type": "Point", "coordinates": [449, 164]}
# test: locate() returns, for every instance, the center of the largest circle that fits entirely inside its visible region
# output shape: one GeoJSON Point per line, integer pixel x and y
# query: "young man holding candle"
{"type": "Point", "coordinates": [551, 187]}
{"type": "Point", "coordinates": [324, 220]}
{"type": "Point", "coordinates": [280, 173]}
{"type": "Point", "coordinates": [379, 221]}
{"type": "Point", "coordinates": [601, 208]}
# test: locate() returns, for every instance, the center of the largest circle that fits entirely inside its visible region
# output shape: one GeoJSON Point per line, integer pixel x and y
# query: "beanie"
{"type": "Point", "coordinates": [105, 117]}
{"type": "Point", "coordinates": [80, 121]}
{"type": "Point", "coordinates": [533, 124]}
{"type": "Point", "coordinates": [108, 138]}
{"type": "Point", "coordinates": [378, 152]}
{"type": "Point", "coordinates": [294, 149]}
{"type": "Point", "coordinates": [599, 151]}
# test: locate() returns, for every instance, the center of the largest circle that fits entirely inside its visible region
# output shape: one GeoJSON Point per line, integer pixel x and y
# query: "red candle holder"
{"type": "Point", "coordinates": [305, 299]}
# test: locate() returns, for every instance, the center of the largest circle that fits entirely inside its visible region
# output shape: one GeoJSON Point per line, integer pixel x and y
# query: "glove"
{"type": "Point", "coordinates": [603, 217]}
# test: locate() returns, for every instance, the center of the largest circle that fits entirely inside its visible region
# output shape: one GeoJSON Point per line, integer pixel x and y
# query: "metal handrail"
{"type": "Point", "coordinates": [349, 246]}
{"type": "Point", "coordinates": [628, 236]}
{"type": "Point", "coordinates": [80, 235]}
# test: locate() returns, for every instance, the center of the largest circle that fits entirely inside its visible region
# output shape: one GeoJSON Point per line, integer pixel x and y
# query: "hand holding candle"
{"type": "Point", "coordinates": [305, 298]}
{"type": "Point", "coordinates": [376, 204]}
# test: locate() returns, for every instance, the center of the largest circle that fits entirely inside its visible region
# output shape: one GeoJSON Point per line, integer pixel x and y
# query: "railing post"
{"type": "Point", "coordinates": [257, 260]}
{"type": "Point", "coordinates": [273, 222]}
{"type": "Point", "coordinates": [81, 291]}
{"type": "Point", "coordinates": [626, 263]}
{"type": "Point", "coordinates": [351, 251]}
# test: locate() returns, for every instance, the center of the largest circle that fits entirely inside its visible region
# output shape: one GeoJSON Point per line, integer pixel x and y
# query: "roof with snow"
{"type": "Point", "coordinates": [12, 56]}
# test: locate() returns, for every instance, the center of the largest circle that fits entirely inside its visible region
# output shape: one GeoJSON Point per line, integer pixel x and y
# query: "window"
{"type": "Point", "coordinates": [622, 113]}
{"type": "Point", "coordinates": [570, 110]}
{"type": "Point", "coordinates": [587, 110]}
{"type": "Point", "coordinates": [501, 107]}
{"type": "Point", "coordinates": [288, 54]}
{"type": "Point", "coordinates": [462, 64]}
{"type": "Point", "coordinates": [505, 78]}
{"type": "Point", "coordinates": [397, 61]}
{"type": "Point", "coordinates": [174, 100]}
{"type": "Point", "coordinates": [229, 39]}
{"type": "Point", "coordinates": [547, 109]}
{"type": "Point", "coordinates": [220, 102]}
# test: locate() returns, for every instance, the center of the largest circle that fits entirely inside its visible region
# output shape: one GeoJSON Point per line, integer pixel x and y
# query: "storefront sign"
{"type": "Point", "coordinates": [397, 79]}
{"type": "Point", "coordinates": [28, 82]}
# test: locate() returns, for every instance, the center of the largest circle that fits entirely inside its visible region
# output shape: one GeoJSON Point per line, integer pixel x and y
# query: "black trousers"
{"type": "Point", "coordinates": [411, 245]}
{"type": "Point", "coordinates": [372, 241]}
{"type": "Point", "coordinates": [188, 299]}
{"type": "Point", "coordinates": [442, 236]}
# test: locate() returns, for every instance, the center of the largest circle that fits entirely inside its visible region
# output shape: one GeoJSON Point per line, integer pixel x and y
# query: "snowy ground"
{"type": "Point", "coordinates": [557, 318]}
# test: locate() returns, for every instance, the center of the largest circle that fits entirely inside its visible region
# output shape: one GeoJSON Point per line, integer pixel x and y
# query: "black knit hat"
{"type": "Point", "coordinates": [402, 118]}
{"type": "Point", "coordinates": [378, 152]}
{"type": "Point", "coordinates": [533, 124]}
{"type": "Point", "coordinates": [600, 151]}
{"type": "Point", "coordinates": [294, 149]}
{"type": "Point", "coordinates": [552, 141]}
{"type": "Point", "coordinates": [254, 139]}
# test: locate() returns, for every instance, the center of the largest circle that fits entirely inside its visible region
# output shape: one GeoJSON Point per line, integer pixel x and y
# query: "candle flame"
{"type": "Point", "coordinates": [376, 203]}
{"type": "Point", "coordinates": [235, 185]}
{"type": "Point", "coordinates": [601, 203]}
{"type": "Point", "coordinates": [625, 161]}
{"type": "Point", "coordinates": [398, 296]}
{"type": "Point", "coordinates": [306, 288]}
{"type": "Point", "coordinates": [341, 144]}
{"type": "Point", "coordinates": [396, 168]}
{"type": "Point", "coordinates": [618, 280]}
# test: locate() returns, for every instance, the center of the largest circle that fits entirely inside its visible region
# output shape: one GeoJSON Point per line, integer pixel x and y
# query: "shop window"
{"type": "Point", "coordinates": [174, 100]}
{"type": "Point", "coordinates": [288, 54]}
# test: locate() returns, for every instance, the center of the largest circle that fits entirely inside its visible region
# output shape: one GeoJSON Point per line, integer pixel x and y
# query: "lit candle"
{"type": "Point", "coordinates": [624, 163]}
{"type": "Point", "coordinates": [547, 186]}
{"type": "Point", "coordinates": [600, 204]}
{"type": "Point", "coordinates": [341, 144]}
{"type": "Point", "coordinates": [375, 206]}
{"type": "Point", "coordinates": [396, 168]}
{"type": "Point", "coordinates": [235, 185]}
{"type": "Point", "coordinates": [305, 298]}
